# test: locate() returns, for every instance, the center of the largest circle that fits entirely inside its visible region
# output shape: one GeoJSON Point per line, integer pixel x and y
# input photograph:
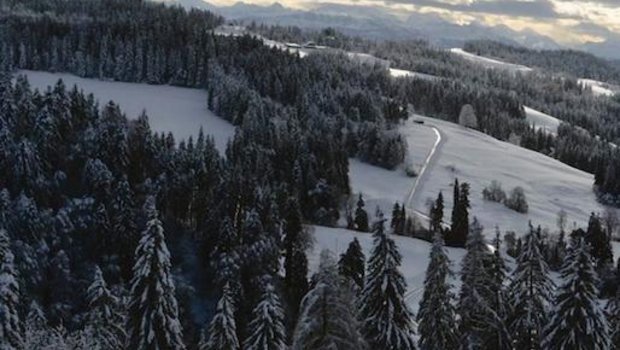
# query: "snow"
{"type": "Point", "coordinates": [478, 159]}
{"type": "Point", "coordinates": [542, 121]}
{"type": "Point", "coordinates": [401, 73]}
{"type": "Point", "coordinates": [182, 111]}
{"type": "Point", "coordinates": [600, 88]}
{"type": "Point", "coordinates": [489, 62]}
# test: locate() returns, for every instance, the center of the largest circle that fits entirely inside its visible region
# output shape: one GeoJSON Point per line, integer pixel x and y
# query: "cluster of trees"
{"type": "Point", "coordinates": [516, 201]}
{"type": "Point", "coordinates": [578, 64]}
{"type": "Point", "coordinates": [519, 309]}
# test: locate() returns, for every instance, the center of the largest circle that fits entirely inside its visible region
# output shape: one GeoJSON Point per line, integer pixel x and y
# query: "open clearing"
{"type": "Point", "coordinates": [182, 111]}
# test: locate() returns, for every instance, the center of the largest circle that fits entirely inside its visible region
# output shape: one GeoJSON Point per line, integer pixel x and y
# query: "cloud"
{"type": "Point", "coordinates": [513, 8]}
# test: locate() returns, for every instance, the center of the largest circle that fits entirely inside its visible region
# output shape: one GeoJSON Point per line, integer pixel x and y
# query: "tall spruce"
{"type": "Point", "coordinates": [105, 318]}
{"type": "Point", "coordinates": [386, 316]}
{"type": "Point", "coordinates": [480, 324]}
{"type": "Point", "coordinates": [577, 321]}
{"type": "Point", "coordinates": [599, 241]}
{"type": "Point", "coordinates": [222, 331]}
{"type": "Point", "coordinates": [328, 318]}
{"type": "Point", "coordinates": [437, 315]}
{"type": "Point", "coordinates": [10, 326]}
{"type": "Point", "coordinates": [352, 264]}
{"type": "Point", "coordinates": [361, 216]}
{"type": "Point", "coordinates": [267, 331]}
{"type": "Point", "coordinates": [295, 260]}
{"type": "Point", "coordinates": [437, 214]}
{"type": "Point", "coordinates": [613, 317]}
{"type": "Point", "coordinates": [530, 294]}
{"type": "Point", "coordinates": [153, 321]}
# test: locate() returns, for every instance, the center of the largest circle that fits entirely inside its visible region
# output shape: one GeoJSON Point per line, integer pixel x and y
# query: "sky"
{"type": "Point", "coordinates": [566, 21]}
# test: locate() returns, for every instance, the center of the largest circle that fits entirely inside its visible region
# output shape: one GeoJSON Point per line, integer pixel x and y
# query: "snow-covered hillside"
{"type": "Point", "coordinates": [542, 121]}
{"type": "Point", "coordinates": [181, 111]}
{"type": "Point", "coordinates": [489, 62]}
{"type": "Point", "coordinates": [600, 88]}
{"type": "Point", "coordinates": [478, 159]}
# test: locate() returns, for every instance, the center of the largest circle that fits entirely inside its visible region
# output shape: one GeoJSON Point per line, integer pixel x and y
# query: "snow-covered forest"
{"type": "Point", "coordinates": [116, 236]}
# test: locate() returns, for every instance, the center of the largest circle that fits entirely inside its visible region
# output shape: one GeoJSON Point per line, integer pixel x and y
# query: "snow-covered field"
{"type": "Point", "coordinates": [541, 120]}
{"type": "Point", "coordinates": [478, 159]}
{"type": "Point", "coordinates": [181, 111]}
{"type": "Point", "coordinates": [600, 88]}
{"type": "Point", "coordinates": [489, 62]}
{"type": "Point", "coordinates": [400, 73]}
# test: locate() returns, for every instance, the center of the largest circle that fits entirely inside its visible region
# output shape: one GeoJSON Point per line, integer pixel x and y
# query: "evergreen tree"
{"type": "Point", "coordinates": [153, 312]}
{"type": "Point", "coordinates": [387, 319]}
{"type": "Point", "coordinates": [437, 315]}
{"type": "Point", "coordinates": [295, 260]}
{"type": "Point", "coordinates": [479, 323]}
{"type": "Point", "coordinates": [266, 329]}
{"type": "Point", "coordinates": [530, 293]}
{"type": "Point", "coordinates": [599, 241]}
{"type": "Point", "coordinates": [398, 219]}
{"type": "Point", "coordinates": [104, 318]}
{"type": "Point", "coordinates": [327, 319]}
{"type": "Point", "coordinates": [460, 215]}
{"type": "Point", "coordinates": [437, 214]}
{"type": "Point", "coordinates": [577, 320]}
{"type": "Point", "coordinates": [352, 263]}
{"type": "Point", "coordinates": [10, 327]}
{"type": "Point", "coordinates": [613, 316]}
{"type": "Point", "coordinates": [500, 336]}
{"type": "Point", "coordinates": [222, 331]}
{"type": "Point", "coordinates": [361, 216]}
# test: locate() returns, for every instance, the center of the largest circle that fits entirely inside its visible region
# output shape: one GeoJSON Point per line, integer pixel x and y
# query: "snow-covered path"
{"type": "Point", "coordinates": [419, 181]}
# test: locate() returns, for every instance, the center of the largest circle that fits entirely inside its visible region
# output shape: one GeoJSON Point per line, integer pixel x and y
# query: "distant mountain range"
{"type": "Point", "coordinates": [375, 22]}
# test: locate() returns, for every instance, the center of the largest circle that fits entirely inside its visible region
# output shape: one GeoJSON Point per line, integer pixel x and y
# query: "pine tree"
{"type": "Point", "coordinates": [153, 312]}
{"type": "Point", "coordinates": [479, 322]}
{"type": "Point", "coordinates": [361, 216]}
{"type": "Point", "coordinates": [10, 327]}
{"type": "Point", "coordinates": [530, 293]}
{"type": "Point", "coordinates": [500, 335]}
{"type": "Point", "coordinates": [437, 315]}
{"type": "Point", "coordinates": [398, 219]}
{"type": "Point", "coordinates": [104, 317]}
{"type": "Point", "coordinates": [387, 319]}
{"type": "Point", "coordinates": [267, 331]}
{"type": "Point", "coordinates": [222, 331]}
{"type": "Point", "coordinates": [599, 241]}
{"type": "Point", "coordinates": [295, 260]}
{"type": "Point", "coordinates": [352, 263]}
{"type": "Point", "coordinates": [437, 214]}
{"type": "Point", "coordinates": [327, 319]}
{"type": "Point", "coordinates": [613, 316]}
{"type": "Point", "coordinates": [577, 320]}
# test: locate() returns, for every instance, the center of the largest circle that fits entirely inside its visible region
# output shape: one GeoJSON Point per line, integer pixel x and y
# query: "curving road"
{"type": "Point", "coordinates": [422, 177]}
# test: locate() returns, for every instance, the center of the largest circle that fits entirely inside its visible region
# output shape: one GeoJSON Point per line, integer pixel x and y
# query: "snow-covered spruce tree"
{"type": "Point", "coordinates": [361, 216]}
{"type": "Point", "coordinates": [387, 319]}
{"type": "Point", "coordinates": [327, 318]}
{"type": "Point", "coordinates": [267, 331]}
{"type": "Point", "coordinates": [613, 316]}
{"type": "Point", "coordinates": [530, 294]}
{"type": "Point", "coordinates": [500, 336]}
{"type": "Point", "coordinates": [437, 315]}
{"type": "Point", "coordinates": [10, 327]}
{"type": "Point", "coordinates": [153, 321]}
{"type": "Point", "coordinates": [104, 317]}
{"type": "Point", "coordinates": [295, 261]}
{"type": "Point", "coordinates": [480, 325]}
{"type": "Point", "coordinates": [577, 321]}
{"type": "Point", "coordinates": [352, 264]}
{"type": "Point", "coordinates": [222, 331]}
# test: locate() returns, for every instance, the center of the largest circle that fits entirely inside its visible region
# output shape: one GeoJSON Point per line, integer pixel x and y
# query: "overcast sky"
{"type": "Point", "coordinates": [566, 21]}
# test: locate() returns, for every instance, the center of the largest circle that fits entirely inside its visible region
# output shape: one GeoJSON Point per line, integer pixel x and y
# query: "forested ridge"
{"type": "Point", "coordinates": [115, 237]}
{"type": "Point", "coordinates": [583, 141]}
